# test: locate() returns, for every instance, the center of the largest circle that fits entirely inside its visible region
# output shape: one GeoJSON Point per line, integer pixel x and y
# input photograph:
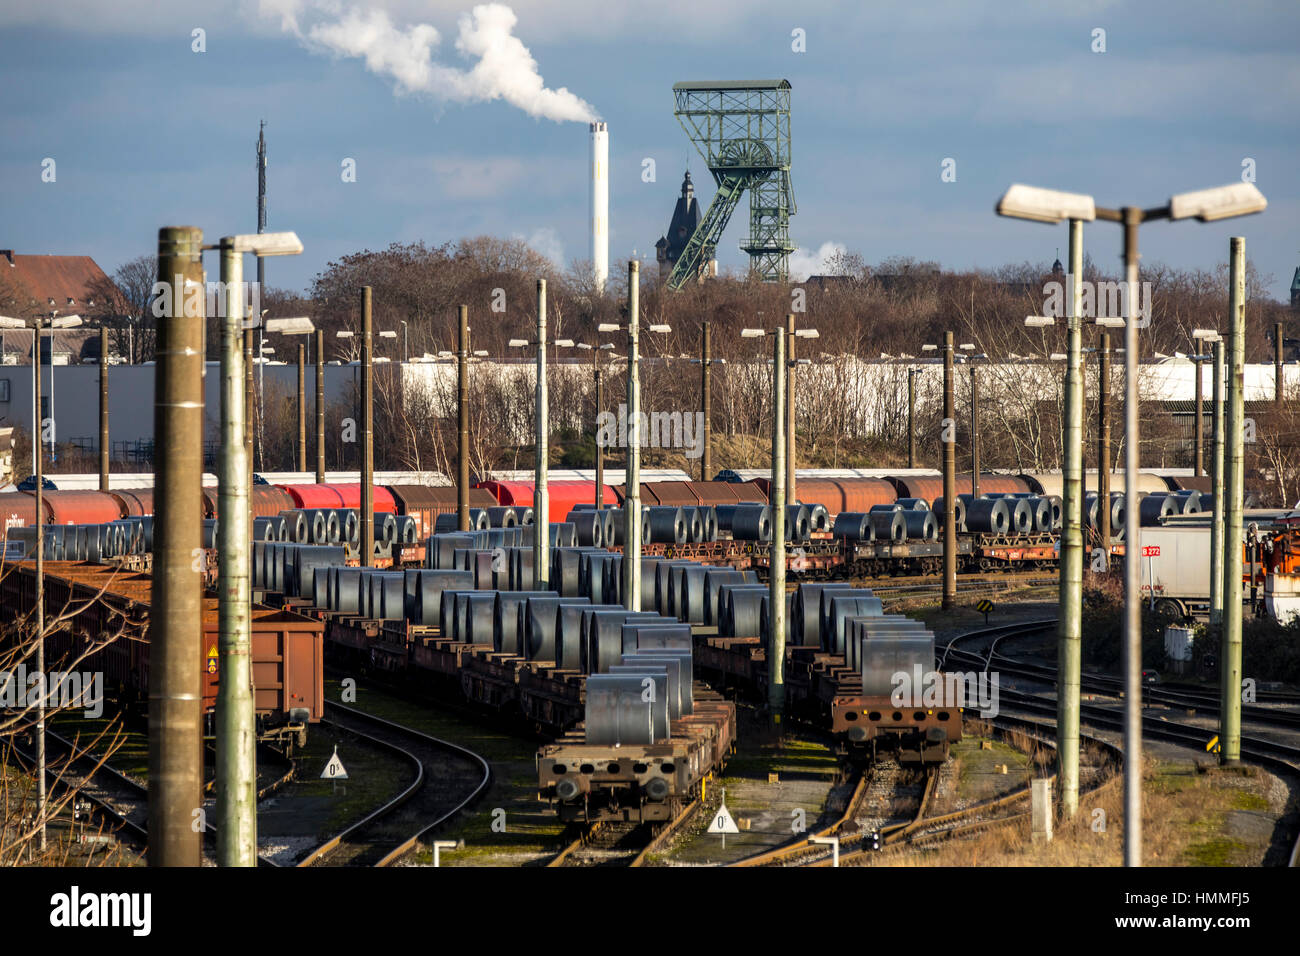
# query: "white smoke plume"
{"type": "Point", "coordinates": [503, 67]}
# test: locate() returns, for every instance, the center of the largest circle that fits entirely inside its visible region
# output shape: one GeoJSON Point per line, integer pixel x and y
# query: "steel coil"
{"type": "Point", "coordinates": [667, 526]}
{"type": "Point", "coordinates": [853, 526]}
{"type": "Point", "coordinates": [959, 512]}
{"type": "Point", "coordinates": [614, 713]}
{"type": "Point", "coordinates": [296, 526]}
{"type": "Point", "coordinates": [346, 598]}
{"type": "Point", "coordinates": [741, 609]}
{"type": "Point", "coordinates": [988, 516]}
{"type": "Point", "coordinates": [479, 626]}
{"type": "Point", "coordinates": [752, 523]}
{"type": "Point", "coordinates": [920, 525]}
{"type": "Point", "coordinates": [819, 518]}
{"type": "Point", "coordinates": [842, 607]}
{"type": "Point", "coordinates": [914, 504]}
{"type": "Point", "coordinates": [589, 526]}
{"type": "Point", "coordinates": [887, 524]}
{"type": "Point", "coordinates": [797, 523]}
{"type": "Point", "coordinates": [1152, 508]}
{"type": "Point", "coordinates": [570, 631]}
{"type": "Point", "coordinates": [714, 580]}
{"type": "Point", "coordinates": [676, 667]}
{"type": "Point", "coordinates": [1041, 514]}
{"type": "Point", "coordinates": [690, 602]}
{"type": "Point", "coordinates": [538, 618]}
{"type": "Point", "coordinates": [502, 517]}
{"type": "Point", "coordinates": [654, 693]}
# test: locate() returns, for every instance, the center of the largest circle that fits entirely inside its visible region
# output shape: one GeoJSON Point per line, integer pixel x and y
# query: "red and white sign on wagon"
{"type": "Point", "coordinates": [1151, 551]}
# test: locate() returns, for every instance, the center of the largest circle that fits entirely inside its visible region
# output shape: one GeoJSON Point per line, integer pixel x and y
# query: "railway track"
{"type": "Point", "coordinates": [919, 828]}
{"type": "Point", "coordinates": [1277, 757]}
{"type": "Point", "coordinates": [621, 844]}
{"type": "Point", "coordinates": [446, 779]}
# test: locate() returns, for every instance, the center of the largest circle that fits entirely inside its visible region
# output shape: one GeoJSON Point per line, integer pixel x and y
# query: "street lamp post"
{"type": "Point", "coordinates": [298, 325]}
{"type": "Point", "coordinates": [599, 381]}
{"type": "Point", "coordinates": [1215, 341]}
{"type": "Point", "coordinates": [778, 499]}
{"type": "Point", "coordinates": [38, 471]}
{"type": "Point", "coordinates": [947, 439]}
{"type": "Point", "coordinates": [911, 416]}
{"type": "Point", "coordinates": [541, 495]}
{"type": "Point", "coordinates": [1042, 205]}
{"type": "Point", "coordinates": [632, 478]}
{"type": "Point", "coordinates": [236, 768]}
{"type": "Point", "coordinates": [792, 333]}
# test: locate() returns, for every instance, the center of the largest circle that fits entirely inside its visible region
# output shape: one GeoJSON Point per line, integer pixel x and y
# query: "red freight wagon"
{"type": "Point", "coordinates": [564, 495]}
{"type": "Point", "coordinates": [17, 509]}
{"type": "Point", "coordinates": [79, 507]}
{"type": "Point", "coordinates": [336, 496]}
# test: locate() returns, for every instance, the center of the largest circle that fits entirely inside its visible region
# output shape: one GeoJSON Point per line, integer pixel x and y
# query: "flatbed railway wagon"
{"type": "Point", "coordinates": [648, 782]}
{"type": "Point", "coordinates": [110, 633]}
{"type": "Point", "coordinates": [833, 684]}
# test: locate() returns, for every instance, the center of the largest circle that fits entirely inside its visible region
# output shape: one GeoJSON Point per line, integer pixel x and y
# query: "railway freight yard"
{"type": "Point", "coordinates": [473, 538]}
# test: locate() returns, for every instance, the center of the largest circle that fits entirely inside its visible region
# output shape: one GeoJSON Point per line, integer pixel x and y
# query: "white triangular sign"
{"type": "Point", "coordinates": [722, 822]}
{"type": "Point", "coordinates": [334, 769]}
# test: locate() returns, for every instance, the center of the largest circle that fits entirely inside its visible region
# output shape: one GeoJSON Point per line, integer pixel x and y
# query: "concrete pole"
{"type": "Point", "coordinates": [462, 420]}
{"type": "Point", "coordinates": [1278, 384]}
{"type": "Point", "coordinates": [1132, 568]}
{"type": "Point", "coordinates": [320, 407]}
{"type": "Point", "coordinates": [776, 568]}
{"type": "Point", "coordinates": [974, 434]}
{"type": "Point", "coordinates": [632, 500]}
{"type": "Point", "coordinates": [792, 493]}
{"type": "Point", "coordinates": [103, 408]}
{"type": "Point", "coordinates": [706, 400]}
{"type": "Point", "coordinates": [1103, 450]}
{"type": "Point", "coordinates": [1233, 488]}
{"type": "Point", "coordinates": [541, 496]}
{"type": "Point", "coordinates": [947, 436]}
{"type": "Point", "coordinates": [1198, 462]}
{"type": "Point", "coordinates": [1070, 611]}
{"type": "Point", "coordinates": [175, 709]}
{"type": "Point", "coordinates": [302, 407]}
{"type": "Point", "coordinates": [236, 718]}
{"type": "Point", "coordinates": [1216, 518]}
{"type": "Point", "coordinates": [911, 418]}
{"type": "Point", "coordinates": [600, 449]}
{"type": "Point", "coordinates": [367, 434]}
{"type": "Point", "coordinates": [250, 408]}
{"type": "Point", "coordinates": [38, 469]}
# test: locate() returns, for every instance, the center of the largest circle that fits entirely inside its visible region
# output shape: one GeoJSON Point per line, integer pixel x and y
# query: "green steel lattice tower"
{"type": "Point", "coordinates": [742, 129]}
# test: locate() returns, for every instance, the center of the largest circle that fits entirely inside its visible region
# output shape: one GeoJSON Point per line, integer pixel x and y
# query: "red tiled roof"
{"type": "Point", "coordinates": [54, 277]}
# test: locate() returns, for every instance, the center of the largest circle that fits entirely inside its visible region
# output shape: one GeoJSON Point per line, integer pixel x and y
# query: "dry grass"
{"type": "Point", "coordinates": [1183, 815]}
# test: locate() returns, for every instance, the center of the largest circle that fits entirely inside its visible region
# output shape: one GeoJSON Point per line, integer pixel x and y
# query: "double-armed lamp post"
{"type": "Point", "coordinates": [1050, 206]}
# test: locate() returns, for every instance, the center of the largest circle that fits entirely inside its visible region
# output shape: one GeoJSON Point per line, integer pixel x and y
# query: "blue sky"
{"type": "Point", "coordinates": [146, 132]}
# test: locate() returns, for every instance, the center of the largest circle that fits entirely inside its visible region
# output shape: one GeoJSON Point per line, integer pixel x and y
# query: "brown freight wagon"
{"type": "Point", "coordinates": [692, 494]}
{"type": "Point", "coordinates": [113, 606]}
{"type": "Point", "coordinates": [425, 502]}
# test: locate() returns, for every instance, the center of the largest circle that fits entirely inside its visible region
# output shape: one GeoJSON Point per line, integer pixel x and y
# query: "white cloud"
{"type": "Point", "coordinates": [544, 241]}
{"type": "Point", "coordinates": [503, 69]}
{"type": "Point", "coordinates": [804, 264]}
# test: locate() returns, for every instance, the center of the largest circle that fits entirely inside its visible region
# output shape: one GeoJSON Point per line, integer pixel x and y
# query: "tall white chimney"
{"type": "Point", "coordinates": [600, 203]}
